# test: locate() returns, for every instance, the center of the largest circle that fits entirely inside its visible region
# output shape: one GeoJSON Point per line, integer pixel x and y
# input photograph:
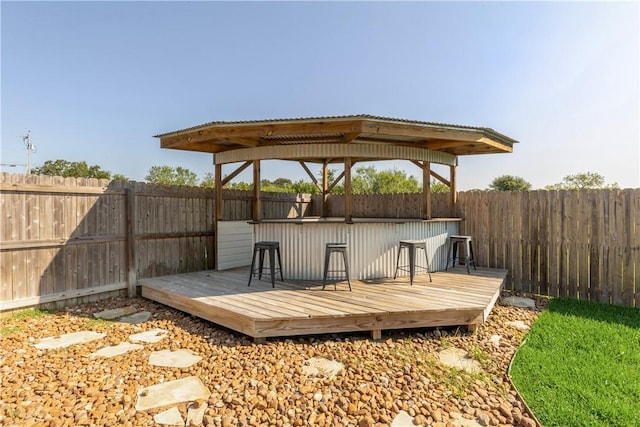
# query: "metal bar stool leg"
{"type": "Point", "coordinates": [426, 257]}
{"type": "Point", "coordinates": [327, 254]}
{"type": "Point", "coordinates": [412, 263]}
{"type": "Point", "coordinates": [279, 263]}
{"type": "Point", "coordinates": [272, 266]}
{"type": "Point", "coordinates": [397, 262]}
{"type": "Point", "coordinates": [253, 263]}
{"type": "Point", "coordinates": [346, 267]}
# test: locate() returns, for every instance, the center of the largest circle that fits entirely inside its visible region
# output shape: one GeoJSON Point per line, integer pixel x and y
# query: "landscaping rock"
{"type": "Point", "coordinates": [116, 350]}
{"type": "Point", "coordinates": [170, 417]}
{"type": "Point", "coordinates": [249, 384]}
{"type": "Point", "coordinates": [403, 419]}
{"type": "Point", "coordinates": [151, 336]}
{"type": "Point", "coordinates": [170, 393]}
{"type": "Point", "coordinates": [519, 324]}
{"type": "Point", "coordinates": [140, 317]}
{"type": "Point", "coordinates": [67, 340]}
{"type": "Point", "coordinates": [320, 367]}
{"type": "Point", "coordinates": [174, 358]}
{"type": "Point", "coordinates": [115, 313]}
{"type": "Point", "coordinates": [195, 413]}
{"type": "Point", "coordinates": [458, 358]}
{"type": "Point", "coordinates": [519, 302]}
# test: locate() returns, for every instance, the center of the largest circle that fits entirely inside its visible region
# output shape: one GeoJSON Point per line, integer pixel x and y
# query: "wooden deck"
{"type": "Point", "coordinates": [303, 308]}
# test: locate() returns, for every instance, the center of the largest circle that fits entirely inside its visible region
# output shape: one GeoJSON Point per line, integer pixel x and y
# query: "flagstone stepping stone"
{"type": "Point", "coordinates": [140, 317]}
{"type": "Point", "coordinates": [495, 340]}
{"type": "Point", "coordinates": [67, 340]}
{"type": "Point", "coordinates": [116, 350]}
{"type": "Point", "coordinates": [459, 358]}
{"type": "Point", "coordinates": [170, 417]}
{"type": "Point", "coordinates": [115, 313]}
{"type": "Point", "coordinates": [519, 302]}
{"type": "Point", "coordinates": [171, 393]}
{"type": "Point", "coordinates": [460, 421]}
{"type": "Point", "coordinates": [182, 358]}
{"type": "Point", "coordinates": [403, 419]}
{"type": "Point", "coordinates": [321, 367]}
{"type": "Point", "coordinates": [195, 413]}
{"type": "Point", "coordinates": [151, 336]}
{"type": "Point", "coordinates": [519, 324]}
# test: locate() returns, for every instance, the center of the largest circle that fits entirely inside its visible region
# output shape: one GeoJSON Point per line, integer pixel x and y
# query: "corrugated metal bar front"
{"type": "Point", "coordinates": [373, 247]}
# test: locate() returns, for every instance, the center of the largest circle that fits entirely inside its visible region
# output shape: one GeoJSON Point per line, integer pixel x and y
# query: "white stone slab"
{"type": "Point", "coordinates": [116, 350]}
{"type": "Point", "coordinates": [458, 358]}
{"type": "Point", "coordinates": [321, 367]}
{"type": "Point", "coordinates": [114, 313]}
{"type": "Point", "coordinates": [403, 419]}
{"type": "Point", "coordinates": [519, 302]}
{"type": "Point", "coordinates": [181, 358]}
{"type": "Point", "coordinates": [68, 339]}
{"type": "Point", "coordinates": [460, 421]}
{"type": "Point", "coordinates": [151, 336]}
{"type": "Point", "coordinates": [495, 340]}
{"type": "Point", "coordinates": [195, 413]}
{"type": "Point", "coordinates": [519, 324]}
{"type": "Point", "coordinates": [140, 317]}
{"type": "Point", "coordinates": [171, 393]}
{"type": "Point", "coordinates": [170, 417]}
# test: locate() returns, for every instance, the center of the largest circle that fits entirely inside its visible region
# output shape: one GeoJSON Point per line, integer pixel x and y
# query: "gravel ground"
{"type": "Point", "coordinates": [258, 384]}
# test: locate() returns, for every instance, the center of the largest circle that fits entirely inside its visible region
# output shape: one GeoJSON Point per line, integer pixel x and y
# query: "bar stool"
{"type": "Point", "coordinates": [337, 248]}
{"type": "Point", "coordinates": [412, 245]}
{"type": "Point", "coordinates": [454, 242]}
{"type": "Point", "coordinates": [261, 248]}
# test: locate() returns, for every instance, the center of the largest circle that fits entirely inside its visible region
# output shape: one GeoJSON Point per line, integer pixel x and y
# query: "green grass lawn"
{"type": "Point", "coordinates": [580, 365]}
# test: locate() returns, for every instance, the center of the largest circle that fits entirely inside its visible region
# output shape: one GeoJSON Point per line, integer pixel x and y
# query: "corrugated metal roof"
{"type": "Point", "coordinates": [338, 118]}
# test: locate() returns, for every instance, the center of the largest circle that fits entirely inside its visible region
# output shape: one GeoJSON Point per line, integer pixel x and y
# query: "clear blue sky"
{"type": "Point", "coordinates": [95, 81]}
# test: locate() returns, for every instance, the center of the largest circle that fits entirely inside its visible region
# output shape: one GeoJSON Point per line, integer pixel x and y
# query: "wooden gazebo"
{"type": "Point", "coordinates": [298, 304]}
{"type": "Point", "coordinates": [336, 140]}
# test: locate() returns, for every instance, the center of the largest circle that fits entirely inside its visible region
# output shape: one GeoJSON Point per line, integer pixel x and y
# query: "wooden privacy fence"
{"type": "Point", "coordinates": [581, 244]}
{"type": "Point", "coordinates": [64, 238]}
{"type": "Point", "coordinates": [67, 238]}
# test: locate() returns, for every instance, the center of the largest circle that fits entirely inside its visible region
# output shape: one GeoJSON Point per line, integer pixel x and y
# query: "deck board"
{"type": "Point", "coordinates": [302, 307]}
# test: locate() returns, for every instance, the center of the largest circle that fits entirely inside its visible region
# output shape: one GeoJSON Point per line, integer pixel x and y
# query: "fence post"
{"type": "Point", "coordinates": [132, 274]}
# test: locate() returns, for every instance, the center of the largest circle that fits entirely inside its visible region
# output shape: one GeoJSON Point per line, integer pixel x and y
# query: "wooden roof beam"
{"type": "Point", "coordinates": [432, 173]}
{"type": "Point", "coordinates": [313, 178]}
{"type": "Point", "coordinates": [417, 131]}
{"type": "Point", "coordinates": [235, 173]}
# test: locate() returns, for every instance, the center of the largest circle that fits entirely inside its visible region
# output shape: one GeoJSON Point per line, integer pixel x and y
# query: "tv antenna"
{"type": "Point", "coordinates": [30, 147]}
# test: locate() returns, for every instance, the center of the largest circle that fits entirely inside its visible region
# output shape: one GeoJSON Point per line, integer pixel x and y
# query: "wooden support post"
{"type": "Point", "coordinates": [257, 209]}
{"type": "Point", "coordinates": [376, 334]}
{"type": "Point", "coordinates": [325, 189]}
{"type": "Point", "coordinates": [426, 190]}
{"type": "Point", "coordinates": [453, 191]}
{"type": "Point", "coordinates": [218, 211]}
{"type": "Point", "coordinates": [218, 187]}
{"type": "Point", "coordinates": [132, 262]}
{"type": "Point", "coordinates": [348, 196]}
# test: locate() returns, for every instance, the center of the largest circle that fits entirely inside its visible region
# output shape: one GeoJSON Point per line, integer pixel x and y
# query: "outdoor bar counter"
{"type": "Point", "coordinates": [373, 244]}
